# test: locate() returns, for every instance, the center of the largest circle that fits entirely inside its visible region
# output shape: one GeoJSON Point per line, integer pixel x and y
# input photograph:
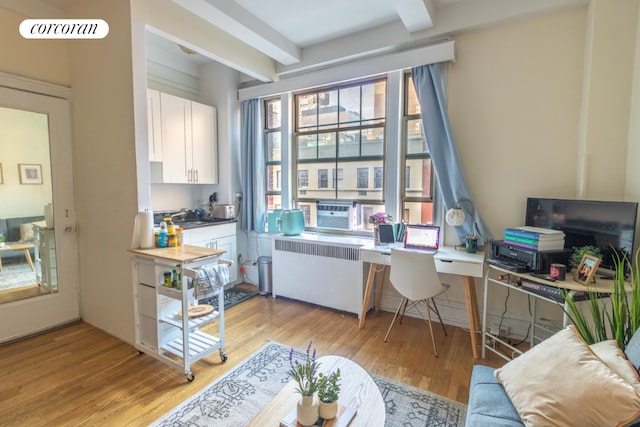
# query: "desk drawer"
{"type": "Point", "coordinates": [376, 257]}
{"type": "Point", "coordinates": [460, 268]}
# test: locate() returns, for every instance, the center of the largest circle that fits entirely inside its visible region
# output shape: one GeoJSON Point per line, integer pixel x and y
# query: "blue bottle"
{"type": "Point", "coordinates": [163, 236]}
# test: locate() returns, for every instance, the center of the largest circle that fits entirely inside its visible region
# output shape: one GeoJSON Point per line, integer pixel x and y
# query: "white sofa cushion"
{"type": "Point", "coordinates": [562, 382]}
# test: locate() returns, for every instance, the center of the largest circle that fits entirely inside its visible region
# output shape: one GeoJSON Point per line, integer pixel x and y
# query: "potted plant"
{"type": "Point", "coordinates": [377, 219]}
{"type": "Point", "coordinates": [618, 320]}
{"type": "Point", "coordinates": [328, 391]}
{"type": "Point", "coordinates": [305, 374]}
{"type": "Point", "coordinates": [578, 253]}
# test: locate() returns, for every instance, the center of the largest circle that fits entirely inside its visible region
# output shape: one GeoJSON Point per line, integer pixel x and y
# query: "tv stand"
{"type": "Point", "coordinates": [506, 278]}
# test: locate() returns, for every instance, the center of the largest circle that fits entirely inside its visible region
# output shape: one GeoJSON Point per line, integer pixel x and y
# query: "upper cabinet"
{"type": "Point", "coordinates": [189, 141]}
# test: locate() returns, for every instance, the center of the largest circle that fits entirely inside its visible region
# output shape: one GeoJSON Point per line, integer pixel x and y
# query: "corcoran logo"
{"type": "Point", "coordinates": [64, 29]}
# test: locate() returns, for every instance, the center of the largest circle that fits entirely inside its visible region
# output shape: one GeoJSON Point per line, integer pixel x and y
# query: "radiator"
{"type": "Point", "coordinates": [322, 273]}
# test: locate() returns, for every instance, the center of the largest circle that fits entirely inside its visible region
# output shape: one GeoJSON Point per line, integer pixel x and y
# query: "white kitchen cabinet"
{"type": "Point", "coordinates": [154, 125]}
{"type": "Point", "coordinates": [221, 236]}
{"type": "Point", "coordinates": [189, 141]}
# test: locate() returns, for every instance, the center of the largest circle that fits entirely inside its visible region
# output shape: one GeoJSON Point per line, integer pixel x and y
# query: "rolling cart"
{"type": "Point", "coordinates": [162, 331]}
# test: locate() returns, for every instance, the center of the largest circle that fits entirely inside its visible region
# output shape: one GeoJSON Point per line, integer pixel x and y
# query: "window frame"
{"type": "Point", "coordinates": [266, 131]}
{"type": "Point", "coordinates": [339, 161]}
{"type": "Point", "coordinates": [406, 118]}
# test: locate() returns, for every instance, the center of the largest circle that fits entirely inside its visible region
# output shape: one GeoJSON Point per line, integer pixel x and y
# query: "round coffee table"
{"type": "Point", "coordinates": [357, 391]}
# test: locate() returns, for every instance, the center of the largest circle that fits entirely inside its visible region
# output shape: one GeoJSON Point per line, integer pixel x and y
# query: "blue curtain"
{"type": "Point", "coordinates": [428, 81]}
{"type": "Point", "coordinates": [252, 158]}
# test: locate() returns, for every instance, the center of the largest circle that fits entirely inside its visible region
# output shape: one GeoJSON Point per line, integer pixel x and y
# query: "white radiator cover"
{"type": "Point", "coordinates": [323, 273]}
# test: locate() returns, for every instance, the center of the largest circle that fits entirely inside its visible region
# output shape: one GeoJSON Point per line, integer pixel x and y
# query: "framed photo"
{"type": "Point", "coordinates": [30, 174]}
{"type": "Point", "coordinates": [587, 269]}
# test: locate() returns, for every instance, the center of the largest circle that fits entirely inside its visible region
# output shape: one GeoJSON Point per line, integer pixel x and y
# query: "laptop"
{"type": "Point", "coordinates": [423, 238]}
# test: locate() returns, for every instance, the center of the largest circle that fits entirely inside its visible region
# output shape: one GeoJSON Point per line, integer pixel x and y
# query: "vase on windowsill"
{"type": "Point", "coordinates": [376, 236]}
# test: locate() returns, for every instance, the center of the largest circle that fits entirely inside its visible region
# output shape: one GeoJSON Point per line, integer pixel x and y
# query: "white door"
{"type": "Point", "coordinates": [29, 181]}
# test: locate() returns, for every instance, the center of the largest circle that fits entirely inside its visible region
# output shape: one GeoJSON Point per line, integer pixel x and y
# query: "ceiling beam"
{"type": "Point", "coordinates": [232, 18]}
{"type": "Point", "coordinates": [415, 14]}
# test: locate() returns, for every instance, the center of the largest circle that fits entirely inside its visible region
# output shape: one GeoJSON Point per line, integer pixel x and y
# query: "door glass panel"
{"type": "Point", "coordinates": [27, 244]}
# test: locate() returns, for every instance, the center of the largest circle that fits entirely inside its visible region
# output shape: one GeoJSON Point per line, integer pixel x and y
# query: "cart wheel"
{"type": "Point", "coordinates": [191, 376]}
{"type": "Point", "coordinates": [223, 356]}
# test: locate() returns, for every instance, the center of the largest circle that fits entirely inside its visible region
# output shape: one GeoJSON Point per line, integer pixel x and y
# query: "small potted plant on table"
{"type": "Point", "coordinates": [328, 390]}
{"type": "Point", "coordinates": [305, 375]}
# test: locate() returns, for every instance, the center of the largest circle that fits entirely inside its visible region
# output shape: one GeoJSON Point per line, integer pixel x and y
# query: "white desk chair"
{"type": "Point", "coordinates": [414, 276]}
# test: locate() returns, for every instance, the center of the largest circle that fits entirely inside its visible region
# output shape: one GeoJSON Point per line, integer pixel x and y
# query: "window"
{"type": "Point", "coordinates": [417, 190]}
{"type": "Point", "coordinates": [342, 129]}
{"type": "Point", "coordinates": [323, 178]}
{"type": "Point", "coordinates": [303, 178]}
{"type": "Point", "coordinates": [363, 177]}
{"type": "Point", "coordinates": [273, 141]}
{"type": "Point", "coordinates": [378, 177]}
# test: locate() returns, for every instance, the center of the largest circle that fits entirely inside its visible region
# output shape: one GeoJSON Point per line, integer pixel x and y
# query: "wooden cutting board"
{"type": "Point", "coordinates": [198, 311]}
{"type": "Point", "coordinates": [184, 253]}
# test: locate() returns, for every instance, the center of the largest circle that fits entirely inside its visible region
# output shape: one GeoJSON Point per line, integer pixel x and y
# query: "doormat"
{"type": "Point", "coordinates": [232, 296]}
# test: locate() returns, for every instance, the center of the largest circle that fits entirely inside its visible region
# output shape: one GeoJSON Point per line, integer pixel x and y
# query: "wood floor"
{"type": "Point", "coordinates": [81, 376]}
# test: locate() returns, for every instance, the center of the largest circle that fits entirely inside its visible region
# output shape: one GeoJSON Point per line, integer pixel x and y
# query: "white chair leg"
{"type": "Point", "coordinates": [403, 301]}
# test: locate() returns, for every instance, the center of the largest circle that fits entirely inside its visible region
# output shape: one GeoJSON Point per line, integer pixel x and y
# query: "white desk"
{"type": "Point", "coordinates": [448, 260]}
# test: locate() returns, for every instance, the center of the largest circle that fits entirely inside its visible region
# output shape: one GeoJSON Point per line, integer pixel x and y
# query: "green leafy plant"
{"type": "Point", "coordinates": [329, 387]}
{"type": "Point", "coordinates": [1, 238]}
{"type": "Point", "coordinates": [305, 373]}
{"type": "Point", "coordinates": [578, 253]}
{"type": "Point", "coordinates": [619, 321]}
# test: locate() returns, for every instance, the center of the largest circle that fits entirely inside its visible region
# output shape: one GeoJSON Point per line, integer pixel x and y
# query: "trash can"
{"type": "Point", "coordinates": [264, 275]}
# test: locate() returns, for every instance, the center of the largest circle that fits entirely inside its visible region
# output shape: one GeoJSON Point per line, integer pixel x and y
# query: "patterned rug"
{"type": "Point", "coordinates": [232, 296]}
{"type": "Point", "coordinates": [16, 276]}
{"type": "Point", "coordinates": [236, 397]}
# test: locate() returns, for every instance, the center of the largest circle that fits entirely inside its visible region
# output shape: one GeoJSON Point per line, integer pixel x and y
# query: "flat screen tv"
{"type": "Point", "coordinates": [603, 224]}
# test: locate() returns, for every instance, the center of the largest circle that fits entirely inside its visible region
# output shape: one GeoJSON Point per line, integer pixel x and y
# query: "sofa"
{"type": "Point", "coordinates": [566, 382]}
{"type": "Point", "coordinates": [10, 228]}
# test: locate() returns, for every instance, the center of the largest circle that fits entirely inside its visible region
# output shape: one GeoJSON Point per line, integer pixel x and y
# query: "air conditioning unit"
{"type": "Point", "coordinates": [336, 215]}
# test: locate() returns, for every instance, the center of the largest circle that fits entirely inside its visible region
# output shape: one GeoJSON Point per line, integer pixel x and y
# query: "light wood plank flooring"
{"type": "Point", "coordinates": [81, 376]}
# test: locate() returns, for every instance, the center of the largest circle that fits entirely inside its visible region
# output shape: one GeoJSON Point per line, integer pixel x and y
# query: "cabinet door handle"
{"type": "Point", "coordinates": [197, 178]}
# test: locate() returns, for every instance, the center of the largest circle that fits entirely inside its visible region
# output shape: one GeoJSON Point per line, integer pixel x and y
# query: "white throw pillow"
{"type": "Point", "coordinates": [561, 382]}
{"type": "Point", "coordinates": [26, 232]}
{"type": "Point", "coordinates": [609, 352]}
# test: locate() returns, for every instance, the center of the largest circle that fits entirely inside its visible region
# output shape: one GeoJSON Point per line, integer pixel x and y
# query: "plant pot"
{"type": "Point", "coordinates": [307, 412]}
{"type": "Point", "coordinates": [328, 410]}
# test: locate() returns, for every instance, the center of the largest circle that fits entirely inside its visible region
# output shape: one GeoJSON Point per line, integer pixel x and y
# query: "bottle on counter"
{"type": "Point", "coordinates": [163, 236]}
{"type": "Point", "coordinates": [172, 240]}
{"type": "Point", "coordinates": [180, 235]}
{"type": "Point", "coordinates": [170, 226]}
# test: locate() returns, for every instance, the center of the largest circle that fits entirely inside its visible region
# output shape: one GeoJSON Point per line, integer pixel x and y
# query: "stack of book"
{"type": "Point", "coordinates": [540, 239]}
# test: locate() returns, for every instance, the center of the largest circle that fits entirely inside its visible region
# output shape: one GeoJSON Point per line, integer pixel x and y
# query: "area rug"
{"type": "Point", "coordinates": [16, 276]}
{"type": "Point", "coordinates": [236, 397]}
{"type": "Point", "coordinates": [232, 296]}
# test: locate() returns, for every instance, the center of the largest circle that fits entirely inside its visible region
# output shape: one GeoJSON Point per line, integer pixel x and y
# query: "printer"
{"type": "Point", "coordinates": [530, 260]}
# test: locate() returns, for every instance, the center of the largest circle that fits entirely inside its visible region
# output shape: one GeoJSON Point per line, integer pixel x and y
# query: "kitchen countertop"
{"type": "Point", "coordinates": [196, 223]}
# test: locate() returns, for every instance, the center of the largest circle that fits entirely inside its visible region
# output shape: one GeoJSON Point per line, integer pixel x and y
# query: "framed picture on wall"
{"type": "Point", "coordinates": [30, 174]}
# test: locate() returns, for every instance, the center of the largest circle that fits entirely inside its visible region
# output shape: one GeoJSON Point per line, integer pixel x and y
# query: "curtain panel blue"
{"type": "Point", "coordinates": [253, 164]}
{"type": "Point", "coordinates": [428, 81]}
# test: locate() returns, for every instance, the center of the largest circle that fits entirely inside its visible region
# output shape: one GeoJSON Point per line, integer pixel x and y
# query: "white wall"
{"type": "Point", "coordinates": [104, 139]}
